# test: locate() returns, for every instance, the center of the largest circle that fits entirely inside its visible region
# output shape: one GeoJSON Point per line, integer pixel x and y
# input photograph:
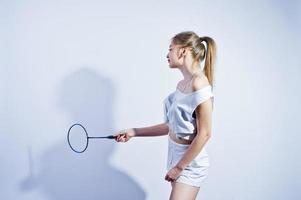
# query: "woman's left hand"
{"type": "Point", "coordinates": [173, 174]}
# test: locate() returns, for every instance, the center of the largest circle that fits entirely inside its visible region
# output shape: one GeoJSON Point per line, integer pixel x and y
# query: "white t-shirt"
{"type": "Point", "coordinates": [179, 110]}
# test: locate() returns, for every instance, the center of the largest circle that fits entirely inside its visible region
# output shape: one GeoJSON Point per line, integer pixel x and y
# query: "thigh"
{"type": "Point", "coordinates": [182, 191]}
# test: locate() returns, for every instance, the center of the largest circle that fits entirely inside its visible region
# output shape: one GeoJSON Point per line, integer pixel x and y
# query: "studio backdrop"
{"type": "Point", "coordinates": [103, 64]}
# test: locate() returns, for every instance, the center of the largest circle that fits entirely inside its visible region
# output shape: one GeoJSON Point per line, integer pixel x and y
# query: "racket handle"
{"type": "Point", "coordinates": [111, 137]}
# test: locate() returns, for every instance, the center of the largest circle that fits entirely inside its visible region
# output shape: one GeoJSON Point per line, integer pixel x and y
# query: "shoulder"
{"type": "Point", "coordinates": [199, 81]}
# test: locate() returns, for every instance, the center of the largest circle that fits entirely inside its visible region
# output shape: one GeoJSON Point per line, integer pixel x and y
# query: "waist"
{"type": "Point", "coordinates": [174, 138]}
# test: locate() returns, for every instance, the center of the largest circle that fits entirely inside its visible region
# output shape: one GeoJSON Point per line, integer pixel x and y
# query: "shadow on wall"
{"type": "Point", "coordinates": [87, 98]}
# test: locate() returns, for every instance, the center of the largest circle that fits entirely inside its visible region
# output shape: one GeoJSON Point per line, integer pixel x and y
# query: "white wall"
{"type": "Point", "coordinates": [103, 64]}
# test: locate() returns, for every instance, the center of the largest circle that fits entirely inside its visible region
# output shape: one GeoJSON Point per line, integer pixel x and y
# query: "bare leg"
{"type": "Point", "coordinates": [181, 191]}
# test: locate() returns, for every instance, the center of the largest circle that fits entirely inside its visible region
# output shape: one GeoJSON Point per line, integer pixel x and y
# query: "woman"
{"type": "Point", "coordinates": [187, 115]}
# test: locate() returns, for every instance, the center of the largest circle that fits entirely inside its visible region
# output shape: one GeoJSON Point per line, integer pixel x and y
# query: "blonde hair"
{"type": "Point", "coordinates": [199, 52]}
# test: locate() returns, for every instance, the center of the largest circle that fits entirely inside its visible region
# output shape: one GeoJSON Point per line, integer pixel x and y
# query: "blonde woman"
{"type": "Point", "coordinates": [187, 115]}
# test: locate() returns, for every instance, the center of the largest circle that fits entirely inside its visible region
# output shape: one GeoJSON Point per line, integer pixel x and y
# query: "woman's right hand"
{"type": "Point", "coordinates": [124, 135]}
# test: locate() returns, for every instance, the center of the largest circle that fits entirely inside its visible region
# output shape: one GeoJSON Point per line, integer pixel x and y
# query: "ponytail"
{"type": "Point", "coordinates": [210, 58]}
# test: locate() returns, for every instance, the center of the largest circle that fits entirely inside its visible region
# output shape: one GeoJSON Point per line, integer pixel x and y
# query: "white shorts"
{"type": "Point", "coordinates": [196, 172]}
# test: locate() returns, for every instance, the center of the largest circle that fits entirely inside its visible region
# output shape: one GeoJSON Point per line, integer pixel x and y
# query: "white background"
{"type": "Point", "coordinates": [103, 64]}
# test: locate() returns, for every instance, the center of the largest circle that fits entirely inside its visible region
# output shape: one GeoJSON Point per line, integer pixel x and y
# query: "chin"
{"type": "Point", "coordinates": [171, 66]}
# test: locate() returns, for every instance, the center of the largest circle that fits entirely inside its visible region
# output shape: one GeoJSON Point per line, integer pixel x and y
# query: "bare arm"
{"type": "Point", "coordinates": [149, 131]}
{"type": "Point", "coordinates": [204, 123]}
{"type": "Point", "coordinates": [156, 130]}
{"type": "Point", "coordinates": [203, 114]}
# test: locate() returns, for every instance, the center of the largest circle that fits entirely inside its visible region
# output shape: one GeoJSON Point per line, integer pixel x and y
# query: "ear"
{"type": "Point", "coordinates": [182, 52]}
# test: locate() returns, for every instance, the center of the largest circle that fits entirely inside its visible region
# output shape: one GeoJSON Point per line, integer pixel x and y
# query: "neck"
{"type": "Point", "coordinates": [188, 72]}
{"type": "Point", "coordinates": [189, 68]}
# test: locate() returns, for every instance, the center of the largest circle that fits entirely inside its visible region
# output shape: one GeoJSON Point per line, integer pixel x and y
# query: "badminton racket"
{"type": "Point", "coordinates": [78, 138]}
